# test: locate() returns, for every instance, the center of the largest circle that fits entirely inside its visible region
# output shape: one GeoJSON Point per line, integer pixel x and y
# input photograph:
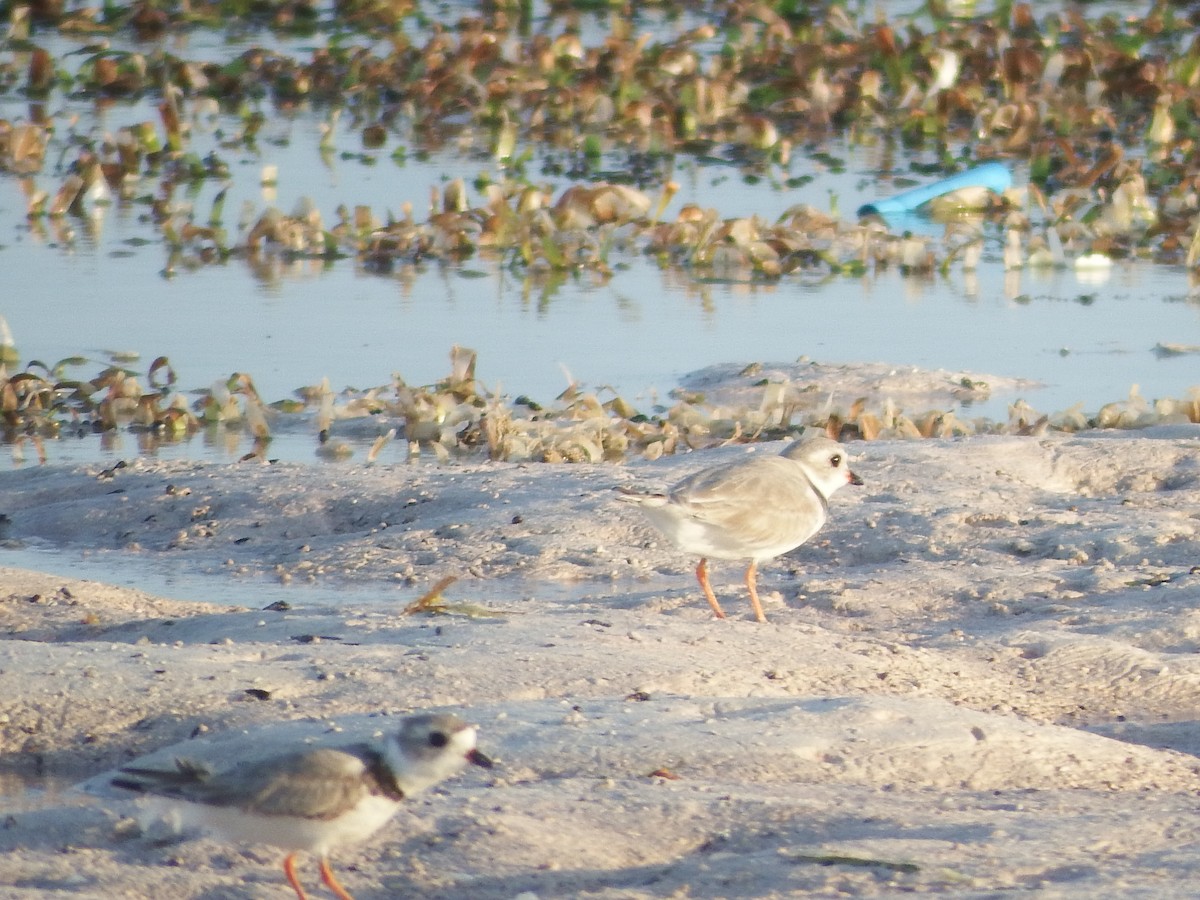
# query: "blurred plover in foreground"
{"type": "Point", "coordinates": [754, 508]}
{"type": "Point", "coordinates": [318, 799]}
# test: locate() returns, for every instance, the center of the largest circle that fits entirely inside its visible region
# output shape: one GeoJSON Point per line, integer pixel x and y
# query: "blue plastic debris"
{"type": "Point", "coordinates": [993, 175]}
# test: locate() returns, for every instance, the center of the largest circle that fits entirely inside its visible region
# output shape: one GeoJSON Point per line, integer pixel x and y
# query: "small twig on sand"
{"type": "Point", "coordinates": [432, 600]}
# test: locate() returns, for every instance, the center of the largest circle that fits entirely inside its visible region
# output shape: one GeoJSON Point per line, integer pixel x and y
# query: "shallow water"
{"type": "Point", "coordinates": [102, 284]}
{"type": "Point", "coordinates": [639, 332]}
{"type": "Point", "coordinates": [164, 577]}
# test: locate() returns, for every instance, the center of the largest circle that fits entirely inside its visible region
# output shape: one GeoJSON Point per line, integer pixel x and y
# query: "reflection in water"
{"type": "Point", "coordinates": [95, 283]}
{"type": "Point", "coordinates": [639, 330]}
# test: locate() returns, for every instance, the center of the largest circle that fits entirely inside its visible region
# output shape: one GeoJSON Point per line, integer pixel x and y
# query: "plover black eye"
{"type": "Point", "coordinates": [835, 460]}
{"type": "Point", "coordinates": [438, 739]}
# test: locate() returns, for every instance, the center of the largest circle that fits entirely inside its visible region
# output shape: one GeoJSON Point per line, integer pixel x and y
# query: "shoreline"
{"type": "Point", "coordinates": [979, 677]}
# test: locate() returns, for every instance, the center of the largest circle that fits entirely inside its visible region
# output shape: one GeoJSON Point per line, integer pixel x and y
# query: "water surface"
{"type": "Point", "coordinates": [107, 283]}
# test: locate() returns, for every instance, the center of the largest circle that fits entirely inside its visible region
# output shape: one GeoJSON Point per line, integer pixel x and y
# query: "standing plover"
{"type": "Point", "coordinates": [754, 508]}
{"type": "Point", "coordinates": [317, 799]}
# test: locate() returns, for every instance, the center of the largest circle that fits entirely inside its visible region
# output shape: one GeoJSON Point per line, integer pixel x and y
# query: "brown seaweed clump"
{"type": "Point", "coordinates": [458, 416]}
{"type": "Point", "coordinates": [1101, 112]}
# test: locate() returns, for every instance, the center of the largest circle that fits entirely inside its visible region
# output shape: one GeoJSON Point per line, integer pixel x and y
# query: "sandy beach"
{"type": "Point", "coordinates": [237, 230]}
{"type": "Point", "coordinates": [980, 679]}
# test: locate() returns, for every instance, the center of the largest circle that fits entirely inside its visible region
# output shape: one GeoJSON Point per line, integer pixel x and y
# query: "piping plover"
{"type": "Point", "coordinates": [318, 799]}
{"type": "Point", "coordinates": [754, 508]}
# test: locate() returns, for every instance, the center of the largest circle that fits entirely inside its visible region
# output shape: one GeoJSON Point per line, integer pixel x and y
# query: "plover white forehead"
{"type": "Point", "coordinates": [314, 800]}
{"type": "Point", "coordinates": [756, 508]}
